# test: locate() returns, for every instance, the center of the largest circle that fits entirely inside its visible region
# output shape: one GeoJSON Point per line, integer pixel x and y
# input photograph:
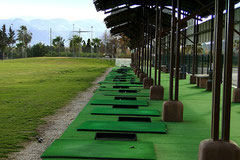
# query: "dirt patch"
{"type": "Point", "coordinates": [56, 124]}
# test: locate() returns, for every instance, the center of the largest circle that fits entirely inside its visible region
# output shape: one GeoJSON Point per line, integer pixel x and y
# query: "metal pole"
{"type": "Point", "coordinates": [73, 41]}
{"type": "Point", "coordinates": [51, 40]}
{"type": "Point", "coordinates": [194, 49]}
{"type": "Point", "coordinates": [219, 4]}
{"type": "Point", "coordinates": [169, 50]}
{"type": "Point", "coordinates": [172, 51]}
{"type": "Point", "coordinates": [238, 81]}
{"type": "Point", "coordinates": [156, 45]}
{"type": "Point", "coordinates": [139, 54]}
{"type": "Point", "coordinates": [91, 39]}
{"type": "Point", "coordinates": [211, 43]}
{"type": "Point", "coordinates": [151, 50]}
{"type": "Point", "coordinates": [227, 85]}
{"type": "Point", "coordinates": [80, 42]}
{"type": "Point", "coordinates": [142, 39]}
{"type": "Point", "coordinates": [148, 39]}
{"type": "Point", "coordinates": [160, 47]}
{"type": "Point", "coordinates": [177, 52]}
{"type": "Point", "coordinates": [196, 52]}
{"type": "Point", "coordinates": [184, 52]}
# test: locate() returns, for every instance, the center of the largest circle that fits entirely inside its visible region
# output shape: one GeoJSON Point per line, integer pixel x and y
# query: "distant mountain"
{"type": "Point", "coordinates": [60, 27]}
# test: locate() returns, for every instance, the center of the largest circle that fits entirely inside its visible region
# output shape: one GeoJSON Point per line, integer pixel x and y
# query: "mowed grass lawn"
{"type": "Point", "coordinates": [33, 88]}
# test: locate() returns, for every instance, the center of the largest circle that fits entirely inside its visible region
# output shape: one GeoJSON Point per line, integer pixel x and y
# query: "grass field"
{"type": "Point", "coordinates": [33, 88]}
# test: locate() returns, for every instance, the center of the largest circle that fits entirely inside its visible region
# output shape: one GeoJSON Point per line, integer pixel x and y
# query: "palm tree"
{"type": "Point", "coordinates": [11, 40]}
{"type": "Point", "coordinates": [76, 43]}
{"type": "Point", "coordinates": [24, 37]}
{"type": "Point", "coordinates": [3, 41]}
{"type": "Point", "coordinates": [96, 43]}
{"type": "Point", "coordinates": [58, 43]}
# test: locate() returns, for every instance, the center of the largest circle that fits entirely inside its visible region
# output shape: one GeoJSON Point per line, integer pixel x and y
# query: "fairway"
{"type": "Point", "coordinates": [33, 88]}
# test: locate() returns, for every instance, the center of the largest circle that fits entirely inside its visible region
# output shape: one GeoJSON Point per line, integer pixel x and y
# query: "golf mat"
{"type": "Point", "coordinates": [126, 94]}
{"type": "Point", "coordinates": [140, 127]}
{"type": "Point", "coordinates": [119, 102]}
{"type": "Point", "coordinates": [74, 148]}
{"type": "Point", "coordinates": [114, 82]}
{"type": "Point", "coordinates": [130, 85]}
{"type": "Point", "coordinates": [133, 112]}
{"type": "Point", "coordinates": [118, 89]}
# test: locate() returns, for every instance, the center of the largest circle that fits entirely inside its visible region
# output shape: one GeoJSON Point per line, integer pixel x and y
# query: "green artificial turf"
{"type": "Point", "coordinates": [33, 88]}
{"type": "Point", "coordinates": [140, 127]}
{"type": "Point", "coordinates": [133, 112]}
{"type": "Point", "coordinates": [115, 82]}
{"type": "Point", "coordinates": [74, 148]}
{"type": "Point", "coordinates": [183, 138]}
{"type": "Point", "coordinates": [130, 85]}
{"type": "Point", "coordinates": [116, 89]}
{"type": "Point", "coordinates": [126, 94]}
{"type": "Point", "coordinates": [119, 102]}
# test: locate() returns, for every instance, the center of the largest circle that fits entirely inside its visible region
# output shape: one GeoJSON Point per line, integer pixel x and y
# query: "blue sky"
{"type": "Point", "coordinates": [48, 9]}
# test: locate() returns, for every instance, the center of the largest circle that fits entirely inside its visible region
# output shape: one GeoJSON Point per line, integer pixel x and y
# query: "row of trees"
{"type": "Point", "coordinates": [109, 45]}
{"type": "Point", "coordinates": [8, 39]}
{"type": "Point", "coordinates": [16, 45]}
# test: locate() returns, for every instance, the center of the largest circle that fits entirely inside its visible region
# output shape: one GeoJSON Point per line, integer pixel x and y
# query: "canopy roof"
{"type": "Point", "coordinates": [190, 6]}
{"type": "Point", "coordinates": [134, 15]}
{"type": "Point", "coordinates": [127, 15]}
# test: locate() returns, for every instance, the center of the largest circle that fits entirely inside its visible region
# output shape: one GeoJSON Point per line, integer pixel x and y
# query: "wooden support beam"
{"type": "Point", "coordinates": [194, 14]}
{"type": "Point", "coordinates": [157, 42]}
{"type": "Point", "coordinates": [187, 37]}
{"type": "Point", "coordinates": [238, 80]}
{"type": "Point", "coordinates": [172, 51]}
{"type": "Point", "coordinates": [177, 48]}
{"type": "Point", "coordinates": [219, 7]}
{"type": "Point", "coordinates": [160, 49]}
{"type": "Point", "coordinates": [237, 32]}
{"type": "Point", "coordinates": [227, 84]}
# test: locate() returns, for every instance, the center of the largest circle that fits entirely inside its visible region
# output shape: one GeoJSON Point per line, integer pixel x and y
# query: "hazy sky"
{"type": "Point", "coordinates": [48, 9]}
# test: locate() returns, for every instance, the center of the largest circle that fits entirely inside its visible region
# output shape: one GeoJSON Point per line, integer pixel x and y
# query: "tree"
{"type": "Point", "coordinates": [76, 44]}
{"type": "Point", "coordinates": [114, 45]}
{"type": "Point", "coordinates": [96, 43]}
{"type": "Point", "coordinates": [87, 48]}
{"type": "Point", "coordinates": [111, 44]}
{"type": "Point", "coordinates": [3, 41]}
{"type": "Point", "coordinates": [58, 43]}
{"type": "Point", "coordinates": [11, 40]}
{"type": "Point", "coordinates": [24, 37]}
{"type": "Point", "coordinates": [124, 42]}
{"type": "Point", "coordinates": [39, 50]}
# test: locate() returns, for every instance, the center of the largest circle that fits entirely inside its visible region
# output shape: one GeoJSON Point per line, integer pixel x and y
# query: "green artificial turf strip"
{"type": "Point", "coordinates": [126, 94]}
{"type": "Point", "coordinates": [133, 112]}
{"type": "Point", "coordinates": [114, 82]}
{"type": "Point", "coordinates": [120, 75]}
{"type": "Point", "coordinates": [183, 138]}
{"type": "Point", "coordinates": [140, 127]}
{"type": "Point", "coordinates": [74, 148]}
{"type": "Point", "coordinates": [116, 89]}
{"type": "Point", "coordinates": [119, 102]}
{"type": "Point", "coordinates": [33, 88]}
{"type": "Point", "coordinates": [130, 85]}
{"type": "Point", "coordinates": [120, 78]}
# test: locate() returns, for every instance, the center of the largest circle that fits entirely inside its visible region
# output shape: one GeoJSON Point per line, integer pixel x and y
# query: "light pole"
{"type": "Point", "coordinates": [12, 44]}
{"type": "Point", "coordinates": [73, 40]}
{"type": "Point", "coordinates": [80, 42]}
{"type": "Point", "coordinates": [91, 38]}
{"type": "Point", "coordinates": [51, 41]}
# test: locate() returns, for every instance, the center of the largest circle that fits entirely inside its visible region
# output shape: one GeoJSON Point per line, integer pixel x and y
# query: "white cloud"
{"type": "Point", "coordinates": [50, 11]}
